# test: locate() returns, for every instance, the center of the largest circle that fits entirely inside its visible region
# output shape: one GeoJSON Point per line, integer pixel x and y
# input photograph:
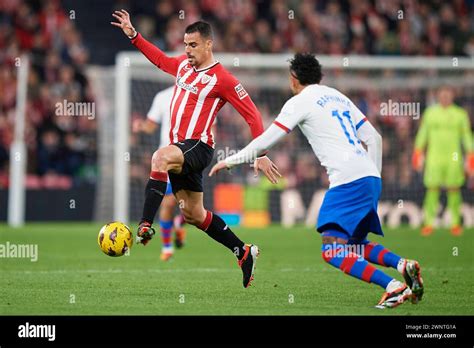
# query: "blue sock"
{"type": "Point", "coordinates": [342, 256]}
{"type": "Point", "coordinates": [165, 228]}
{"type": "Point", "coordinates": [378, 254]}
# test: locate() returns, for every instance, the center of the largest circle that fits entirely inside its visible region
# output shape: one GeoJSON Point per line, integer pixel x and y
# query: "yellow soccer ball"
{"type": "Point", "coordinates": [115, 239]}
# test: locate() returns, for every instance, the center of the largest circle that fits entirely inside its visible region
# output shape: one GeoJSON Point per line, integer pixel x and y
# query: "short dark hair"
{"type": "Point", "coordinates": [200, 27]}
{"type": "Point", "coordinates": [306, 68]}
{"type": "Point", "coordinates": [445, 85]}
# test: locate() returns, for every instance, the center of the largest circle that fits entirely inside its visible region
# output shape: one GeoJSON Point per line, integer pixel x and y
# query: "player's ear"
{"type": "Point", "coordinates": [209, 44]}
{"type": "Point", "coordinates": [292, 81]}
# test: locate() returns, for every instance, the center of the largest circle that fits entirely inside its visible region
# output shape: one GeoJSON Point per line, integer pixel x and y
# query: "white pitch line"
{"type": "Point", "coordinates": [104, 271]}
{"type": "Point", "coordinates": [203, 270]}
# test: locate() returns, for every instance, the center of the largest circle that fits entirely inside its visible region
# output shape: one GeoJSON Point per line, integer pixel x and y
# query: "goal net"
{"type": "Point", "coordinates": [392, 92]}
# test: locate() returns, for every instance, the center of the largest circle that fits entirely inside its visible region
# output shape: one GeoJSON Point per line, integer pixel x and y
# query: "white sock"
{"type": "Point", "coordinates": [167, 250]}
{"type": "Point", "coordinates": [393, 285]}
{"type": "Point", "coordinates": [401, 266]}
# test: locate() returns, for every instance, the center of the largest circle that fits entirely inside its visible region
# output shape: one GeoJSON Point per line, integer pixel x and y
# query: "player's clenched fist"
{"type": "Point", "coordinates": [124, 23]}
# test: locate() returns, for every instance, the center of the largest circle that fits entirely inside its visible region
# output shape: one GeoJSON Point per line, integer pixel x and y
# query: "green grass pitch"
{"type": "Point", "coordinates": [73, 277]}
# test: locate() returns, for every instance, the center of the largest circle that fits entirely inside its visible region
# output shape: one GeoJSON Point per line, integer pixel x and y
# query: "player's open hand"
{"type": "Point", "coordinates": [124, 23]}
{"type": "Point", "coordinates": [217, 167]}
{"type": "Point", "coordinates": [268, 168]}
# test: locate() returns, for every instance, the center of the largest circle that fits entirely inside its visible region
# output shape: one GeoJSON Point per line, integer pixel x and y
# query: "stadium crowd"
{"type": "Point", "coordinates": [61, 146]}
{"type": "Point", "coordinates": [62, 149]}
{"type": "Point", "coordinates": [382, 27]}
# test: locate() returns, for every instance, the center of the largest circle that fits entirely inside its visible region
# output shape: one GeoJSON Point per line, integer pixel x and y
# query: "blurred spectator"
{"type": "Point", "coordinates": [60, 146]}
{"type": "Point", "coordinates": [334, 26]}
{"type": "Point", "coordinates": [52, 157]}
{"type": "Point", "coordinates": [65, 146]}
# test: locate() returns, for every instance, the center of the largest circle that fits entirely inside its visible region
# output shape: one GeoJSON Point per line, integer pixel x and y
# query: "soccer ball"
{"type": "Point", "coordinates": [115, 239]}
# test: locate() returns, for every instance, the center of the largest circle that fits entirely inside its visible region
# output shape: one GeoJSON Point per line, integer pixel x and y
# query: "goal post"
{"type": "Point", "coordinates": [18, 153]}
{"type": "Point", "coordinates": [121, 139]}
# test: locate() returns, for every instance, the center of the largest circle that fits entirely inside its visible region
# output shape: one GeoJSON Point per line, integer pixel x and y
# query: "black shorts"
{"type": "Point", "coordinates": [197, 156]}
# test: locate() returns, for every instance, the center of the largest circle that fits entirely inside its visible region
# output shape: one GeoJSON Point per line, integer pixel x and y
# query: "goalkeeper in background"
{"type": "Point", "coordinates": [337, 132]}
{"type": "Point", "coordinates": [443, 128]}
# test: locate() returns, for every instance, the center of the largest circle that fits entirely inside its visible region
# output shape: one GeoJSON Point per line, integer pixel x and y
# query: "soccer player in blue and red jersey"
{"type": "Point", "coordinates": [336, 129]}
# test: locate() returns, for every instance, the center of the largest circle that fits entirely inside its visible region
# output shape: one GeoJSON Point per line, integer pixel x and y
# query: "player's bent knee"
{"type": "Point", "coordinates": [160, 158]}
{"type": "Point", "coordinates": [189, 217]}
{"type": "Point", "coordinates": [167, 208]}
{"type": "Point", "coordinates": [191, 220]}
{"type": "Point", "coordinates": [327, 251]}
{"type": "Point", "coordinates": [192, 217]}
{"type": "Point", "coordinates": [330, 247]}
{"type": "Point", "coordinates": [168, 202]}
{"type": "Point", "coordinates": [332, 240]}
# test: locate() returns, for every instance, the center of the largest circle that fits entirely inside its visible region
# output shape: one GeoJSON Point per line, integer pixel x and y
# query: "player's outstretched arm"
{"type": "Point", "coordinates": [468, 144]}
{"type": "Point", "coordinates": [124, 23]}
{"type": "Point", "coordinates": [249, 154]}
{"type": "Point", "coordinates": [233, 92]}
{"type": "Point", "coordinates": [154, 54]}
{"type": "Point", "coordinates": [421, 141]}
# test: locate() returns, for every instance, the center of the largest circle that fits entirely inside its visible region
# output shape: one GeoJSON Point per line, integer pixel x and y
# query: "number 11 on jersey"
{"type": "Point", "coordinates": [345, 114]}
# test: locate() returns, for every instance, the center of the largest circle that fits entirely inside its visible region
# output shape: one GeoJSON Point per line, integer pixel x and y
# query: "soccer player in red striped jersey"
{"type": "Point", "coordinates": [202, 87]}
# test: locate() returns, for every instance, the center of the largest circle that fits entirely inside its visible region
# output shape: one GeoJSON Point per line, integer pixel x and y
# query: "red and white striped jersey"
{"type": "Point", "coordinates": [199, 95]}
